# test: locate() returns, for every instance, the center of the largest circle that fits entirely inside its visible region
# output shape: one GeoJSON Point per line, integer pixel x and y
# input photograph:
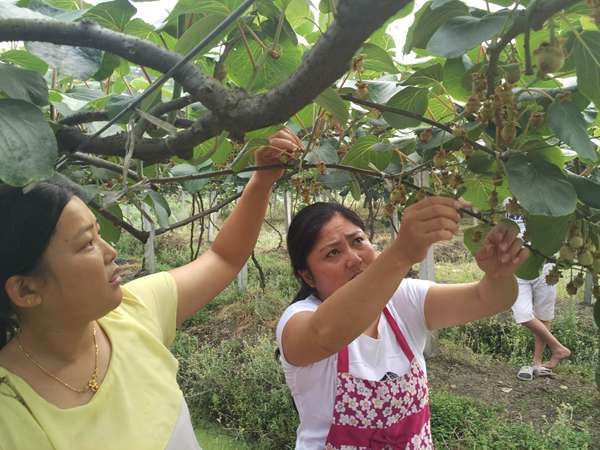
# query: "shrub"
{"type": "Point", "coordinates": [240, 385]}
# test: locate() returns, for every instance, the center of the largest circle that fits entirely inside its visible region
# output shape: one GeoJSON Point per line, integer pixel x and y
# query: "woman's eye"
{"type": "Point", "coordinates": [359, 240]}
{"type": "Point", "coordinates": [332, 253]}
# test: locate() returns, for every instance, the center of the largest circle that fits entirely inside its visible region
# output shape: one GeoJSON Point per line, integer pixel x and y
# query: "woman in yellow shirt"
{"type": "Point", "coordinates": [84, 362]}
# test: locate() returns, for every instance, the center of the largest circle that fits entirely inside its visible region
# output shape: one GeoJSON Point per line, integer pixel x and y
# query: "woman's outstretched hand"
{"type": "Point", "coordinates": [431, 220]}
{"type": "Point", "coordinates": [283, 146]}
{"type": "Point", "coordinates": [502, 251]}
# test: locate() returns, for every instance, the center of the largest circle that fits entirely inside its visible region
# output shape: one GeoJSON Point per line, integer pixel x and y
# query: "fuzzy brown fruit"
{"type": "Point", "coordinates": [549, 58]}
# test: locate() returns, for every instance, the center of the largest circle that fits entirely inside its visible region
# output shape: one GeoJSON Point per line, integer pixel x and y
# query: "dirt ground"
{"type": "Point", "coordinates": [495, 383]}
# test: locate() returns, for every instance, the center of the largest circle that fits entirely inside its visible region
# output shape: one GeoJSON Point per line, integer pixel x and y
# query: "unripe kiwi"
{"type": "Point", "coordinates": [566, 253]}
{"type": "Point", "coordinates": [576, 242]}
{"type": "Point", "coordinates": [585, 258]}
{"type": "Point", "coordinates": [571, 288]}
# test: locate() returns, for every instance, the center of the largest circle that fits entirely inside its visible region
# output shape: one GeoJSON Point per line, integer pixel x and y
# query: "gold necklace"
{"type": "Point", "coordinates": [92, 384]}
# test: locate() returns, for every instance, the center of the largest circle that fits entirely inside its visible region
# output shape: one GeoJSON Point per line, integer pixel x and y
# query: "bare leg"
{"type": "Point", "coordinates": [545, 337]}
{"type": "Point", "coordinates": [540, 346]}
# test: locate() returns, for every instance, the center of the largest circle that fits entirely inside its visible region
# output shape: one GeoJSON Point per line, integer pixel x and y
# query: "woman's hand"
{"type": "Point", "coordinates": [282, 145]}
{"type": "Point", "coordinates": [502, 251]}
{"type": "Point", "coordinates": [431, 220]}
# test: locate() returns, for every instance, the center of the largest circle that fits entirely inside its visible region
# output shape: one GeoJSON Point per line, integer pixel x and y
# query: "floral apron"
{"type": "Point", "coordinates": [381, 415]}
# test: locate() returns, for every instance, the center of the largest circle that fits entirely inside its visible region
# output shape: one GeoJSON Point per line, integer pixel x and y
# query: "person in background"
{"type": "Point", "coordinates": [84, 361]}
{"type": "Point", "coordinates": [351, 343]}
{"type": "Point", "coordinates": [534, 309]}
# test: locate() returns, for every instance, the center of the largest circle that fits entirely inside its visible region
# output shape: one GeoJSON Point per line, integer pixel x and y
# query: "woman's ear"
{"type": "Point", "coordinates": [308, 277]}
{"type": "Point", "coordinates": [23, 291]}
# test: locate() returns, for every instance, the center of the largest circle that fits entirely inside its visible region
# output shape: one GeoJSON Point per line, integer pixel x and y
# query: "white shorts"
{"type": "Point", "coordinates": [536, 299]}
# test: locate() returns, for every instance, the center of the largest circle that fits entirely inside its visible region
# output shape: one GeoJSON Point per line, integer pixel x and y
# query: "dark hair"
{"type": "Point", "coordinates": [304, 232]}
{"type": "Point", "coordinates": [29, 221]}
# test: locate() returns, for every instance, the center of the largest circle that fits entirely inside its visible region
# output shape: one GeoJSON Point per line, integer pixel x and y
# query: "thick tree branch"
{"type": "Point", "coordinates": [231, 110]}
{"type": "Point", "coordinates": [522, 20]}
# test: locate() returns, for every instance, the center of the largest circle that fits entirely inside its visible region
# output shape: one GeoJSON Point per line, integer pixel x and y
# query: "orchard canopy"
{"type": "Point", "coordinates": [499, 107]}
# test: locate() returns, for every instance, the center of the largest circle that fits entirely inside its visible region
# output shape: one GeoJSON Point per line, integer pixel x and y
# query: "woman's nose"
{"type": "Point", "coordinates": [353, 259]}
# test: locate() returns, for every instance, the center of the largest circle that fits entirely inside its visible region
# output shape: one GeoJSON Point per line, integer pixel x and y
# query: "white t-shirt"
{"type": "Point", "coordinates": [313, 387]}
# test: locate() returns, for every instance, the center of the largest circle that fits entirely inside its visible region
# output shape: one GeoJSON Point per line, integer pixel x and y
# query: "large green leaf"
{"type": "Point", "coordinates": [28, 147]}
{"type": "Point", "coordinates": [77, 62]}
{"type": "Point", "coordinates": [325, 152]}
{"type": "Point", "coordinates": [474, 237]}
{"type": "Point", "coordinates": [540, 187]}
{"type": "Point", "coordinates": [587, 64]}
{"type": "Point", "coordinates": [359, 154]}
{"type": "Point", "coordinates": [25, 60]}
{"type": "Point", "coordinates": [381, 90]}
{"type": "Point", "coordinates": [23, 84]}
{"type": "Point", "coordinates": [547, 233]}
{"type": "Point", "coordinates": [271, 67]}
{"type": "Point", "coordinates": [185, 169]}
{"type": "Point", "coordinates": [460, 34]}
{"type": "Point", "coordinates": [568, 124]}
{"type": "Point", "coordinates": [428, 19]}
{"type": "Point", "coordinates": [161, 207]}
{"type": "Point", "coordinates": [455, 70]}
{"type": "Point", "coordinates": [331, 102]}
{"type": "Point", "coordinates": [587, 190]}
{"type": "Point", "coordinates": [377, 59]}
{"type": "Point", "coordinates": [426, 76]}
{"type": "Point", "coordinates": [198, 31]}
{"type": "Point", "coordinates": [479, 189]}
{"type": "Point", "coordinates": [411, 99]}
{"type": "Point", "coordinates": [530, 269]}
{"type": "Point", "coordinates": [201, 8]}
{"type": "Point", "coordinates": [113, 15]}
{"type": "Point", "coordinates": [109, 232]}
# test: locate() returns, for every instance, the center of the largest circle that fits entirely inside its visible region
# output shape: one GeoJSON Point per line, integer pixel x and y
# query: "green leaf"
{"type": "Point", "coordinates": [547, 233]}
{"type": "Point", "coordinates": [479, 189]}
{"type": "Point", "coordinates": [410, 99]}
{"type": "Point", "coordinates": [191, 186]}
{"type": "Point", "coordinates": [540, 187]}
{"type": "Point", "coordinates": [271, 68]}
{"type": "Point", "coordinates": [587, 190]}
{"type": "Point", "coordinates": [587, 64]}
{"type": "Point", "coordinates": [530, 269]}
{"type": "Point", "coordinates": [25, 60]}
{"type": "Point", "coordinates": [325, 152]}
{"type": "Point", "coordinates": [198, 31]}
{"type": "Point", "coordinates": [23, 84]}
{"type": "Point", "coordinates": [597, 313]}
{"type": "Point", "coordinates": [425, 77]}
{"type": "Point", "coordinates": [246, 155]}
{"type": "Point", "coordinates": [28, 149]}
{"type": "Point", "coordinates": [109, 232]}
{"type": "Point", "coordinates": [565, 120]}
{"type": "Point", "coordinates": [380, 91]}
{"type": "Point", "coordinates": [377, 59]}
{"type": "Point", "coordinates": [113, 15]}
{"type": "Point", "coordinates": [331, 102]}
{"type": "Point", "coordinates": [359, 153]}
{"type": "Point", "coordinates": [195, 7]}
{"type": "Point", "coordinates": [161, 208]}
{"type": "Point", "coordinates": [455, 70]}
{"type": "Point", "coordinates": [428, 19]}
{"type": "Point", "coordinates": [460, 34]}
{"type": "Point", "coordinates": [109, 64]}
{"type": "Point", "coordinates": [77, 62]}
{"type": "Point", "coordinates": [474, 237]}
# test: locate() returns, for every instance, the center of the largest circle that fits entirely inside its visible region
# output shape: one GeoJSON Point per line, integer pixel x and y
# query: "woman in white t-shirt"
{"type": "Point", "coordinates": [352, 341]}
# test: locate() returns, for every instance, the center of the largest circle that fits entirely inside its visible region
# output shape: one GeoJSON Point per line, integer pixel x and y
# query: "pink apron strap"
{"type": "Point", "coordinates": [343, 364]}
{"type": "Point", "coordinates": [399, 336]}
